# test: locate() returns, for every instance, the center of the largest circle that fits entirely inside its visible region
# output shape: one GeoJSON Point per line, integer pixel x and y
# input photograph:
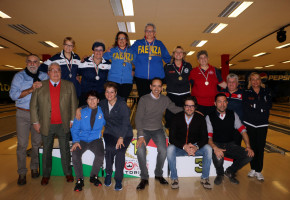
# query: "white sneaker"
{"type": "Point", "coordinates": [252, 173]}
{"type": "Point", "coordinates": [259, 176]}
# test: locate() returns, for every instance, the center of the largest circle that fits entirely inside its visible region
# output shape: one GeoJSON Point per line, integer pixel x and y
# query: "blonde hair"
{"type": "Point", "coordinates": [68, 39]}
{"type": "Point", "coordinates": [249, 79]}
{"type": "Point", "coordinates": [172, 56]}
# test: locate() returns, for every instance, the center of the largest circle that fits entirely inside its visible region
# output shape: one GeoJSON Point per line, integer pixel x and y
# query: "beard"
{"type": "Point", "coordinates": [32, 69]}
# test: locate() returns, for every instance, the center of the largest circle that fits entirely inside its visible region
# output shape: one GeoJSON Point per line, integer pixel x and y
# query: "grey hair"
{"type": "Point", "coordinates": [232, 75]}
{"type": "Point", "coordinates": [53, 63]}
{"type": "Point", "coordinates": [202, 52]}
{"type": "Point", "coordinates": [34, 55]}
{"type": "Point", "coordinates": [150, 24]}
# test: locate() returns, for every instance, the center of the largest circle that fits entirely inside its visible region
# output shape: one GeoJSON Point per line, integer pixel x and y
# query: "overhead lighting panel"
{"type": "Point", "coordinates": [235, 8]}
{"type": "Point", "coordinates": [131, 27]}
{"type": "Point", "coordinates": [258, 68]}
{"type": "Point", "coordinates": [283, 46]}
{"type": "Point", "coordinates": [49, 44]}
{"type": "Point", "coordinates": [269, 65]}
{"type": "Point", "coordinates": [122, 26]}
{"type": "Point", "coordinates": [260, 54]}
{"type": "Point", "coordinates": [117, 8]}
{"type": "Point", "coordinates": [190, 53]}
{"type": "Point", "coordinates": [202, 42]}
{"type": "Point", "coordinates": [128, 7]}
{"type": "Point", "coordinates": [3, 15]}
{"type": "Point", "coordinates": [2, 46]}
{"type": "Point", "coordinates": [215, 28]}
{"type": "Point", "coordinates": [286, 61]}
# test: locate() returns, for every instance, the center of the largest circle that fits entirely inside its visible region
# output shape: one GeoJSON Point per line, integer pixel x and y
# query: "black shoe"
{"type": "Point", "coordinates": [21, 180]}
{"type": "Point", "coordinates": [34, 173]}
{"type": "Point", "coordinates": [218, 179]}
{"type": "Point", "coordinates": [161, 180]}
{"type": "Point", "coordinates": [79, 185]}
{"type": "Point", "coordinates": [95, 181]}
{"type": "Point", "coordinates": [231, 176]}
{"type": "Point", "coordinates": [142, 184]}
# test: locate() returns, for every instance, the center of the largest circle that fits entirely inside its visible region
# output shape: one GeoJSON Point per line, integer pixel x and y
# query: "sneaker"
{"type": "Point", "coordinates": [174, 184]}
{"type": "Point", "coordinates": [259, 176]}
{"type": "Point", "coordinates": [108, 180]}
{"type": "Point", "coordinates": [252, 173]}
{"type": "Point", "coordinates": [95, 181]}
{"type": "Point", "coordinates": [79, 185]}
{"type": "Point", "coordinates": [231, 176]}
{"type": "Point", "coordinates": [218, 179]}
{"type": "Point", "coordinates": [118, 185]}
{"type": "Point", "coordinates": [206, 184]}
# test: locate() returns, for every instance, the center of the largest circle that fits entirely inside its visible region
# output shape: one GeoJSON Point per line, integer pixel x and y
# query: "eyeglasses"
{"type": "Point", "coordinates": [92, 98]}
{"type": "Point", "coordinates": [189, 106]}
{"type": "Point", "coordinates": [68, 45]}
{"type": "Point", "coordinates": [98, 50]}
{"type": "Point", "coordinates": [149, 31]}
{"type": "Point", "coordinates": [32, 61]}
{"type": "Point", "coordinates": [122, 38]}
{"type": "Point", "coordinates": [55, 70]}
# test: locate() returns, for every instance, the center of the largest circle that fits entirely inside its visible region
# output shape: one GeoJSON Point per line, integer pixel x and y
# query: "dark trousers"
{"type": "Point", "coordinates": [97, 148]}
{"type": "Point", "coordinates": [179, 101]}
{"type": "Point", "coordinates": [143, 86]}
{"type": "Point", "coordinates": [63, 138]}
{"type": "Point", "coordinates": [118, 154]}
{"type": "Point", "coordinates": [233, 151]}
{"type": "Point", "coordinates": [206, 110]}
{"type": "Point", "coordinates": [124, 90]}
{"type": "Point", "coordinates": [257, 138]}
{"type": "Point", "coordinates": [238, 138]}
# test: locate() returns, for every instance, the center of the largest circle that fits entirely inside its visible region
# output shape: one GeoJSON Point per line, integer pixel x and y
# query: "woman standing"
{"type": "Point", "coordinates": [68, 61]}
{"type": "Point", "coordinates": [176, 77]}
{"type": "Point", "coordinates": [94, 71]}
{"type": "Point", "coordinates": [121, 56]}
{"type": "Point", "coordinates": [257, 103]}
{"type": "Point", "coordinates": [117, 135]}
{"type": "Point", "coordinates": [86, 134]}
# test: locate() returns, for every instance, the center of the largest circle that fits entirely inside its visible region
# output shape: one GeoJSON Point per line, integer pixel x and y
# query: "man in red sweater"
{"type": "Point", "coordinates": [52, 112]}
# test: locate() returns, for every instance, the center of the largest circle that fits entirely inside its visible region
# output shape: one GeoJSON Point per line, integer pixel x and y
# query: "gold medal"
{"type": "Point", "coordinates": [150, 57]}
{"type": "Point", "coordinates": [180, 78]}
{"type": "Point", "coordinates": [124, 64]}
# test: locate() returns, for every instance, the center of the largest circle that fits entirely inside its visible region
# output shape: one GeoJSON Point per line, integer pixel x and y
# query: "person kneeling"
{"type": "Point", "coordinates": [188, 137]}
{"type": "Point", "coordinates": [86, 135]}
{"type": "Point", "coordinates": [221, 127]}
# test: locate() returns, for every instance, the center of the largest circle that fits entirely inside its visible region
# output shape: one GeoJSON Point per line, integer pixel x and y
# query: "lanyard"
{"type": "Point", "coordinates": [124, 59]}
{"type": "Point", "coordinates": [180, 70]}
{"type": "Point", "coordinates": [69, 64]}
{"type": "Point", "coordinates": [96, 68]}
{"type": "Point", "coordinates": [206, 82]}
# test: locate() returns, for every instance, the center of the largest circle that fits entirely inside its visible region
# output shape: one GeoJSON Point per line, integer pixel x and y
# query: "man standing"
{"type": "Point", "coordinates": [188, 137]}
{"type": "Point", "coordinates": [221, 127]}
{"type": "Point", "coordinates": [148, 122]}
{"type": "Point", "coordinates": [205, 79]}
{"type": "Point", "coordinates": [234, 97]}
{"type": "Point", "coordinates": [148, 62]}
{"type": "Point", "coordinates": [23, 84]}
{"type": "Point", "coordinates": [53, 109]}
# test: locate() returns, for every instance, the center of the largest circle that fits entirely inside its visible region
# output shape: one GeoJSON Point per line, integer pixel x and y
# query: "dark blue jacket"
{"type": "Point", "coordinates": [235, 102]}
{"type": "Point", "coordinates": [257, 107]}
{"type": "Point", "coordinates": [118, 120]}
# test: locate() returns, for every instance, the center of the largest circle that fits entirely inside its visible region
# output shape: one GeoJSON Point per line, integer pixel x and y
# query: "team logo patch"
{"type": "Point", "coordinates": [239, 96]}
{"type": "Point", "coordinates": [100, 116]}
{"type": "Point", "coordinates": [186, 70]}
{"type": "Point", "coordinates": [211, 72]}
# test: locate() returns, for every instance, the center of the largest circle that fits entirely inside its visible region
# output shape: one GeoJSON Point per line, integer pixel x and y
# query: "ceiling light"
{"type": "Point", "coordinates": [202, 42]}
{"type": "Point", "coordinates": [220, 27]}
{"type": "Point", "coordinates": [9, 66]}
{"type": "Point", "coordinates": [286, 61]}
{"type": "Point", "coordinates": [269, 65]}
{"type": "Point", "coordinates": [131, 27]}
{"type": "Point", "coordinates": [51, 44]}
{"type": "Point", "coordinates": [122, 26]}
{"type": "Point", "coordinates": [128, 7]}
{"type": "Point", "coordinates": [215, 28]}
{"type": "Point", "coordinates": [117, 8]}
{"type": "Point", "coordinates": [260, 54]}
{"type": "Point", "coordinates": [231, 64]}
{"type": "Point", "coordinates": [281, 35]}
{"type": "Point", "coordinates": [190, 53]}
{"type": "Point", "coordinates": [3, 15]}
{"type": "Point", "coordinates": [241, 8]}
{"type": "Point", "coordinates": [132, 42]}
{"type": "Point", "coordinates": [283, 46]}
{"type": "Point", "coordinates": [2, 46]}
{"type": "Point", "coordinates": [258, 67]}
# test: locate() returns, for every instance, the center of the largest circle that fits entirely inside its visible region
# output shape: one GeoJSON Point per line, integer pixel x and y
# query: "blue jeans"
{"type": "Point", "coordinates": [173, 152]}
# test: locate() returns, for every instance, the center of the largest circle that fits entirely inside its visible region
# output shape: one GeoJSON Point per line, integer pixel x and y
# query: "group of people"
{"type": "Point", "coordinates": [201, 122]}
